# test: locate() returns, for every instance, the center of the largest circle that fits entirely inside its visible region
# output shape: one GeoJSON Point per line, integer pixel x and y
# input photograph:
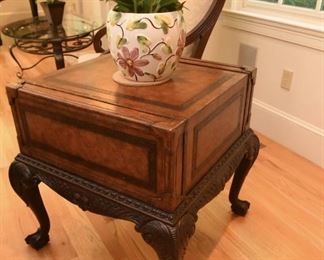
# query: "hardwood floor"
{"type": "Point", "coordinates": [285, 221]}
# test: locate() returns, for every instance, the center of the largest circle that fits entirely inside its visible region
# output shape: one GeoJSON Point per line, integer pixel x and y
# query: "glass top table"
{"type": "Point", "coordinates": [36, 36]}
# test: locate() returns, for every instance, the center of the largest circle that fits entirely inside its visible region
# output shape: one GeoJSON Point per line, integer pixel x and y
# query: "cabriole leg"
{"type": "Point", "coordinates": [240, 207]}
{"type": "Point", "coordinates": [25, 184]}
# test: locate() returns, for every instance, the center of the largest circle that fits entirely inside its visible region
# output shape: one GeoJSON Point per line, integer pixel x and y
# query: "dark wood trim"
{"type": "Point", "coordinates": [251, 82]}
{"type": "Point", "coordinates": [216, 65]}
{"type": "Point", "coordinates": [12, 94]}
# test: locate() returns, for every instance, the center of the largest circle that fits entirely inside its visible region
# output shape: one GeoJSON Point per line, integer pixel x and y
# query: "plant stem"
{"type": "Point", "coordinates": [121, 28]}
{"type": "Point", "coordinates": [157, 6]}
{"type": "Point", "coordinates": [151, 6]}
{"type": "Point", "coordinates": [135, 6]}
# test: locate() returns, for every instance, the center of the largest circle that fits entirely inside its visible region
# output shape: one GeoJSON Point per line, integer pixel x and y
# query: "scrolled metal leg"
{"type": "Point", "coordinates": [25, 184]}
{"type": "Point", "coordinates": [240, 207]}
{"type": "Point", "coordinates": [20, 74]}
{"type": "Point", "coordinates": [58, 55]}
{"type": "Point", "coordinates": [12, 54]}
{"type": "Point", "coordinates": [169, 242]}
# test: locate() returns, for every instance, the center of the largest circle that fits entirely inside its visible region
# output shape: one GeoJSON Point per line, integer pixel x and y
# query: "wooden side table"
{"type": "Point", "coordinates": [150, 155]}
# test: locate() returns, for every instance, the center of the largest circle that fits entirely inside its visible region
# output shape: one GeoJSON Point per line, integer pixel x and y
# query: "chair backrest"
{"type": "Point", "coordinates": [201, 17]}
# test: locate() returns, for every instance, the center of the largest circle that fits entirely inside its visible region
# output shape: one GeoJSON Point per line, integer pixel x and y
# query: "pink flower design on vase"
{"type": "Point", "coordinates": [181, 43]}
{"type": "Point", "coordinates": [129, 61]}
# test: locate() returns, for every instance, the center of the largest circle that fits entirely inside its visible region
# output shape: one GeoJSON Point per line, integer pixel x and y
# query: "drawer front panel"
{"type": "Point", "coordinates": [211, 133]}
{"type": "Point", "coordinates": [90, 148]}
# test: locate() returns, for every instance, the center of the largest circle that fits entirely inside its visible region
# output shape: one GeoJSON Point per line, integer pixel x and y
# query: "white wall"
{"type": "Point", "coordinates": [14, 10]}
{"type": "Point", "coordinates": [92, 9]}
{"type": "Point", "coordinates": [293, 118]}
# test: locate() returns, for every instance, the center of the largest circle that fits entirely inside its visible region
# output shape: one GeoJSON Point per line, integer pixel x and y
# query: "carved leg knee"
{"type": "Point", "coordinates": [169, 242]}
{"type": "Point", "coordinates": [25, 184]}
{"type": "Point", "coordinates": [240, 207]}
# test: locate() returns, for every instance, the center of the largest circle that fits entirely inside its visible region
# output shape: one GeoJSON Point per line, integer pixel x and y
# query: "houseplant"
{"type": "Point", "coordinates": [146, 38]}
{"type": "Point", "coordinates": [54, 10]}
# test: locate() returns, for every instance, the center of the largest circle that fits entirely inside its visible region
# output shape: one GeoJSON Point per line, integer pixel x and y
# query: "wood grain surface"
{"type": "Point", "coordinates": [285, 221]}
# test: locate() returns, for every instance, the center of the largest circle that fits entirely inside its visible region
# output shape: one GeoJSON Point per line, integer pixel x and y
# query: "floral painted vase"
{"type": "Point", "coordinates": [146, 46]}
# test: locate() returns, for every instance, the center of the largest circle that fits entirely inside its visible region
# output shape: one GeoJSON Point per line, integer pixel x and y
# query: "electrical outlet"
{"type": "Point", "coordinates": [286, 79]}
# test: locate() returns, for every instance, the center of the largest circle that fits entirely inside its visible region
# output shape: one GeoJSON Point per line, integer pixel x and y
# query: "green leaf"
{"type": "Point", "coordinates": [173, 66]}
{"type": "Point", "coordinates": [169, 6]}
{"type": "Point", "coordinates": [120, 41]}
{"type": "Point", "coordinates": [114, 18]}
{"type": "Point", "coordinates": [156, 56]}
{"type": "Point", "coordinates": [122, 9]}
{"type": "Point", "coordinates": [124, 6]}
{"type": "Point", "coordinates": [166, 49]}
{"type": "Point", "coordinates": [164, 21]}
{"type": "Point", "coordinates": [136, 25]}
{"type": "Point", "coordinates": [147, 6]}
{"type": "Point", "coordinates": [165, 28]}
{"type": "Point", "coordinates": [161, 69]}
{"type": "Point", "coordinates": [167, 3]}
{"type": "Point", "coordinates": [142, 40]}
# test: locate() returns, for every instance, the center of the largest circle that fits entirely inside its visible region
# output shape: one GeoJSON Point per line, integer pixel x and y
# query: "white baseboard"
{"type": "Point", "coordinates": [299, 136]}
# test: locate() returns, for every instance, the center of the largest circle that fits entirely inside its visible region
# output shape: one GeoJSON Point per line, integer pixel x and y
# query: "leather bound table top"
{"type": "Point", "coordinates": [193, 85]}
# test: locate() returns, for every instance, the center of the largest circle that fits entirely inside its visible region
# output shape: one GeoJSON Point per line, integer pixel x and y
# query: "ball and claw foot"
{"type": "Point", "coordinates": [37, 240]}
{"type": "Point", "coordinates": [240, 207]}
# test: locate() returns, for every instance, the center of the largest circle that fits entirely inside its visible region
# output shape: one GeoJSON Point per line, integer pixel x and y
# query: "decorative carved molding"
{"type": "Point", "coordinates": [94, 202]}
{"type": "Point", "coordinates": [68, 185]}
{"type": "Point", "coordinates": [169, 242]}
